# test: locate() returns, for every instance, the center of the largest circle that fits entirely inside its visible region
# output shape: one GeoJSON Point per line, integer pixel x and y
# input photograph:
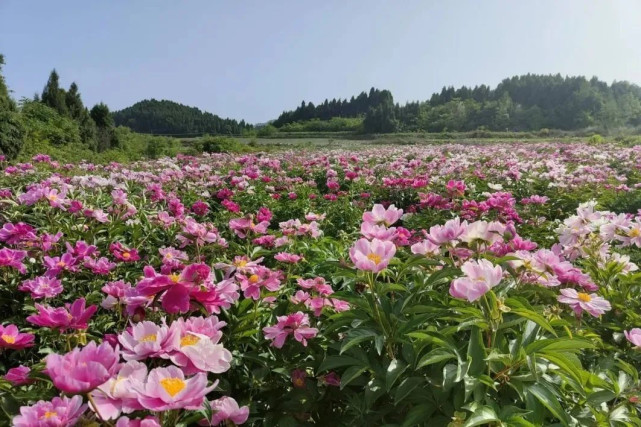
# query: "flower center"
{"type": "Point", "coordinates": [8, 338]}
{"type": "Point", "coordinates": [241, 263]}
{"type": "Point", "coordinates": [52, 197]}
{"type": "Point", "coordinates": [189, 340]}
{"type": "Point", "coordinates": [376, 259]}
{"type": "Point", "coordinates": [174, 277]}
{"type": "Point", "coordinates": [126, 255]}
{"type": "Point", "coordinates": [168, 256]}
{"type": "Point", "coordinates": [584, 297]}
{"type": "Point", "coordinates": [635, 232]}
{"type": "Point", "coordinates": [254, 278]}
{"type": "Point", "coordinates": [49, 414]}
{"type": "Point", "coordinates": [172, 386]}
{"type": "Point", "coordinates": [148, 338]}
{"type": "Point", "coordinates": [61, 263]}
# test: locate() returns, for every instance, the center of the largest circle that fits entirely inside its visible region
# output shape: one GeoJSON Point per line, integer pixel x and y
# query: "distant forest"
{"type": "Point", "coordinates": [171, 118]}
{"type": "Point", "coordinates": [522, 103]}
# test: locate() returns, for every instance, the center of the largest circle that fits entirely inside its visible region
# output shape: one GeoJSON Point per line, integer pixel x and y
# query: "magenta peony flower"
{"type": "Point", "coordinates": [634, 336]}
{"type": "Point", "coordinates": [60, 412]}
{"type": "Point", "coordinates": [167, 388]}
{"type": "Point", "coordinates": [480, 277]}
{"type": "Point", "coordinates": [380, 216]}
{"type": "Point", "coordinates": [146, 339]}
{"type": "Point", "coordinates": [10, 337]}
{"type": "Point", "coordinates": [226, 408]}
{"type": "Point", "coordinates": [580, 301]}
{"type": "Point", "coordinates": [298, 378]}
{"type": "Point", "coordinates": [261, 277]}
{"type": "Point", "coordinates": [148, 421]}
{"type": "Point", "coordinates": [372, 256]}
{"type": "Point", "coordinates": [42, 287]}
{"type": "Point", "coordinates": [18, 376]}
{"type": "Point", "coordinates": [332, 379]}
{"type": "Point", "coordinates": [12, 258]}
{"type": "Point", "coordinates": [82, 370]}
{"type": "Point", "coordinates": [296, 324]}
{"type": "Point", "coordinates": [72, 316]}
{"type": "Point", "coordinates": [122, 253]}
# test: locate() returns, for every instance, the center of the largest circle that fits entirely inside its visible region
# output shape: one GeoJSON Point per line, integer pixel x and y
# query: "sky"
{"type": "Point", "coordinates": [254, 59]}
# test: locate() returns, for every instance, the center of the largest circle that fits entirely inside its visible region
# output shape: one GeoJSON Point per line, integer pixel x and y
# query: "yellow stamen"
{"type": "Point", "coordinates": [189, 340]}
{"type": "Point", "coordinates": [52, 197]}
{"type": "Point", "coordinates": [126, 255]}
{"type": "Point", "coordinates": [254, 278]}
{"type": "Point", "coordinates": [174, 277]}
{"type": "Point", "coordinates": [584, 297]}
{"type": "Point", "coordinates": [61, 264]}
{"type": "Point", "coordinates": [241, 263]}
{"type": "Point", "coordinates": [635, 232]}
{"type": "Point", "coordinates": [49, 414]}
{"type": "Point", "coordinates": [376, 259]}
{"type": "Point", "coordinates": [8, 338]}
{"type": "Point", "coordinates": [172, 386]}
{"type": "Point", "coordinates": [148, 338]}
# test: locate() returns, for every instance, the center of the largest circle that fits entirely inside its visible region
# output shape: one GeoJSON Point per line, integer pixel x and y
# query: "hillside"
{"type": "Point", "coordinates": [522, 103]}
{"type": "Point", "coordinates": [171, 118]}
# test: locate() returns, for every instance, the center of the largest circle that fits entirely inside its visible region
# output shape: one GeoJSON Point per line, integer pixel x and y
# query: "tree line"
{"type": "Point", "coordinates": [171, 118]}
{"type": "Point", "coordinates": [522, 103]}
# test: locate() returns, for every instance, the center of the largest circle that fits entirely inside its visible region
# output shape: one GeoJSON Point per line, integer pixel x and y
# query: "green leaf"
{"type": "Point", "coordinates": [351, 374]}
{"type": "Point", "coordinates": [476, 352]}
{"type": "Point", "coordinates": [333, 362]}
{"type": "Point", "coordinates": [394, 370]}
{"type": "Point", "coordinates": [418, 414]}
{"type": "Point", "coordinates": [600, 397]}
{"type": "Point", "coordinates": [558, 344]}
{"type": "Point", "coordinates": [548, 399]}
{"type": "Point", "coordinates": [406, 387]}
{"type": "Point", "coordinates": [356, 336]}
{"type": "Point", "coordinates": [518, 308]}
{"type": "Point", "coordinates": [482, 415]}
{"type": "Point", "coordinates": [435, 356]}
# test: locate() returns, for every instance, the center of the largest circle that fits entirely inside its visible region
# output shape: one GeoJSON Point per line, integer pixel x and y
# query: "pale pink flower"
{"type": "Point", "coordinates": [167, 388]}
{"type": "Point", "coordinates": [117, 395]}
{"type": "Point", "coordinates": [226, 408]}
{"type": "Point", "coordinates": [146, 339]}
{"type": "Point", "coordinates": [59, 412]}
{"type": "Point", "coordinates": [372, 256]}
{"type": "Point", "coordinates": [287, 257]}
{"type": "Point", "coordinates": [581, 301]}
{"type": "Point", "coordinates": [426, 248]}
{"type": "Point", "coordinates": [380, 216]}
{"type": "Point", "coordinates": [634, 336]}
{"type": "Point", "coordinates": [450, 232]}
{"type": "Point", "coordinates": [480, 277]}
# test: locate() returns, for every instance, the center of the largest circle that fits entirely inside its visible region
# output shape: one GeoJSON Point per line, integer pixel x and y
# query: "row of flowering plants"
{"type": "Point", "coordinates": [454, 285]}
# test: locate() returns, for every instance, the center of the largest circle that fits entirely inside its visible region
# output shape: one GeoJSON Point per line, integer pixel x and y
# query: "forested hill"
{"type": "Point", "coordinates": [170, 118]}
{"type": "Point", "coordinates": [521, 103]}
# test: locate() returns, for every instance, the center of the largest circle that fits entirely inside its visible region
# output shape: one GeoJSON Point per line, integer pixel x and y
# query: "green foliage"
{"type": "Point", "coordinates": [11, 133]}
{"type": "Point", "coordinates": [596, 139]}
{"type": "Point", "coordinates": [381, 119]}
{"type": "Point", "coordinates": [219, 144]}
{"type": "Point", "coordinates": [335, 124]}
{"type": "Point", "coordinates": [53, 96]}
{"type": "Point", "coordinates": [267, 130]}
{"type": "Point", "coordinates": [43, 123]}
{"type": "Point", "coordinates": [171, 118]}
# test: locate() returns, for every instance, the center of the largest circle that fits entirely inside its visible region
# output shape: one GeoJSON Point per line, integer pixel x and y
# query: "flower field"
{"type": "Point", "coordinates": [459, 285]}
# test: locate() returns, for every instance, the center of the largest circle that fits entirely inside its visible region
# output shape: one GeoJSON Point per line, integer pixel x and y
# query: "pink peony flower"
{"type": "Point", "coordinates": [146, 339]}
{"type": "Point", "coordinates": [287, 257]}
{"type": "Point", "coordinates": [372, 256]}
{"type": "Point", "coordinates": [148, 421]}
{"type": "Point", "coordinates": [298, 378]}
{"type": "Point", "coordinates": [60, 412]}
{"type": "Point", "coordinates": [56, 265]}
{"type": "Point", "coordinates": [581, 301]}
{"type": "Point", "coordinates": [122, 253]}
{"type": "Point", "coordinates": [42, 287]}
{"type": "Point", "coordinates": [12, 258]}
{"type": "Point", "coordinates": [82, 370]}
{"type": "Point", "coordinates": [262, 277]}
{"type": "Point", "coordinates": [117, 395]}
{"type": "Point", "coordinates": [380, 216]}
{"type": "Point", "coordinates": [480, 277]}
{"type": "Point", "coordinates": [634, 336]}
{"type": "Point", "coordinates": [18, 376]}
{"type": "Point", "coordinates": [226, 408]}
{"type": "Point", "coordinates": [447, 233]}
{"type": "Point", "coordinates": [296, 324]}
{"type": "Point", "coordinates": [72, 316]}
{"type": "Point", "coordinates": [332, 379]}
{"type": "Point", "coordinates": [199, 350]}
{"type": "Point", "coordinates": [167, 388]}
{"type": "Point", "coordinates": [11, 337]}
{"type": "Point", "coordinates": [426, 248]}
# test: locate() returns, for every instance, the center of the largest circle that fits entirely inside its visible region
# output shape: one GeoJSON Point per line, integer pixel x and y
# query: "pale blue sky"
{"type": "Point", "coordinates": [254, 59]}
